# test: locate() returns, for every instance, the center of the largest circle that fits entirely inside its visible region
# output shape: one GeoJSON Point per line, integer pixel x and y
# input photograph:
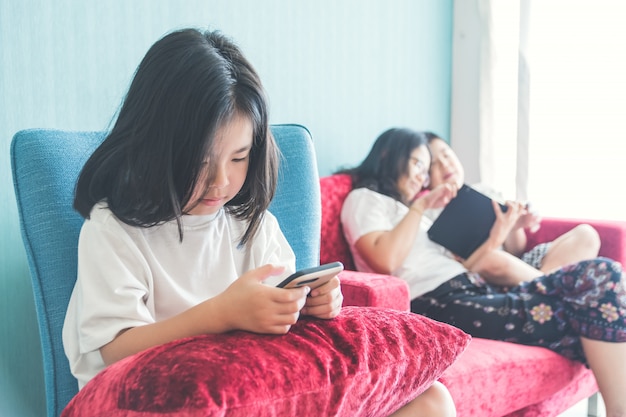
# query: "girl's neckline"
{"type": "Point", "coordinates": [200, 220]}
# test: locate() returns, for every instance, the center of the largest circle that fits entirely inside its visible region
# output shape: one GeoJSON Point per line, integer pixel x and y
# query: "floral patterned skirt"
{"type": "Point", "coordinates": [585, 299]}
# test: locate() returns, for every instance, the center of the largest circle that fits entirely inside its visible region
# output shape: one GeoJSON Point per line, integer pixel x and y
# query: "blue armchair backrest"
{"type": "Point", "coordinates": [45, 165]}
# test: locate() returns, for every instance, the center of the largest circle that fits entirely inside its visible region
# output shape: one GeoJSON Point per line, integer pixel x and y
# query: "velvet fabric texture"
{"type": "Point", "coordinates": [334, 190]}
{"type": "Point", "coordinates": [493, 379]}
{"type": "Point", "coordinates": [366, 362]}
{"type": "Point", "coordinates": [374, 290]}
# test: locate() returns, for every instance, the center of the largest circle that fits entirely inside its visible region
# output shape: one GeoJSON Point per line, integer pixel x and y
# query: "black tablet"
{"type": "Point", "coordinates": [465, 223]}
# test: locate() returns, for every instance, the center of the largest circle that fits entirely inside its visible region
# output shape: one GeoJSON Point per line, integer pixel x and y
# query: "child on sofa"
{"type": "Point", "coordinates": [580, 243]}
{"type": "Point", "coordinates": [177, 240]}
{"type": "Point", "coordinates": [578, 311]}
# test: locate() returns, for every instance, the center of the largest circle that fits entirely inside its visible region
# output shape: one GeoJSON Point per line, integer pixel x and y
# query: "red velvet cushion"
{"type": "Point", "coordinates": [366, 362]}
{"type": "Point", "coordinates": [374, 290]}
{"type": "Point", "coordinates": [495, 378]}
{"type": "Point", "coordinates": [334, 190]}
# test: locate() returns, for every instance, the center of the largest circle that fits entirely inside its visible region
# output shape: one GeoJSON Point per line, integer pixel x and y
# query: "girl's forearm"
{"type": "Point", "coordinates": [201, 319]}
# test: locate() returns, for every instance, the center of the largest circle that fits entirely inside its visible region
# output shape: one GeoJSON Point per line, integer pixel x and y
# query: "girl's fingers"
{"type": "Point", "coordinates": [325, 311]}
{"type": "Point", "coordinates": [326, 288]}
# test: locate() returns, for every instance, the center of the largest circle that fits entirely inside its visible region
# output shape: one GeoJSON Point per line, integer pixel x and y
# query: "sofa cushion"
{"type": "Point", "coordinates": [366, 361]}
{"type": "Point", "coordinates": [494, 378]}
{"type": "Point", "coordinates": [374, 290]}
{"type": "Point", "coordinates": [334, 190]}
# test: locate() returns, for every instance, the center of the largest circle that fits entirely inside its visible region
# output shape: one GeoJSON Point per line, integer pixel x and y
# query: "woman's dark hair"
{"type": "Point", "coordinates": [431, 136]}
{"type": "Point", "coordinates": [387, 161]}
{"type": "Point", "coordinates": [189, 84]}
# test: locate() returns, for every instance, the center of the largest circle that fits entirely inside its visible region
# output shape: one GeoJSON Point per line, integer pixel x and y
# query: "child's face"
{"type": "Point", "coordinates": [233, 143]}
{"type": "Point", "coordinates": [445, 167]}
{"type": "Point", "coordinates": [416, 177]}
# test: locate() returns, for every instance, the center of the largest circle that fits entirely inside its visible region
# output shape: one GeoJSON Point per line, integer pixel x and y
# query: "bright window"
{"type": "Point", "coordinates": [577, 108]}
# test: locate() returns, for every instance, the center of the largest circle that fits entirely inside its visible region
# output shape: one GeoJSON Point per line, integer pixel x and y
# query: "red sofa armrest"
{"type": "Point", "coordinates": [612, 234]}
{"type": "Point", "coordinates": [374, 290]}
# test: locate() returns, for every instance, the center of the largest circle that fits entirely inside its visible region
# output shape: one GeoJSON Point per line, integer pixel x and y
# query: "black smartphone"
{"type": "Point", "coordinates": [312, 277]}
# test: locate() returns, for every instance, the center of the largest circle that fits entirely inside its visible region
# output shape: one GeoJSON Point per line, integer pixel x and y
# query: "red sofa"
{"type": "Point", "coordinates": [491, 378]}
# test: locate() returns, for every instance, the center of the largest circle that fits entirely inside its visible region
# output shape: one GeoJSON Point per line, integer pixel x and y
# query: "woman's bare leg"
{"type": "Point", "coordinates": [579, 244]}
{"type": "Point", "coordinates": [608, 362]}
{"type": "Point", "coordinates": [436, 401]}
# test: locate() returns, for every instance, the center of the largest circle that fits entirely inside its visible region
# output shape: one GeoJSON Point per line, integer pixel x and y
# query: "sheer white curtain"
{"type": "Point", "coordinates": [577, 107]}
{"type": "Point", "coordinates": [499, 95]}
{"type": "Point", "coordinates": [485, 91]}
{"type": "Point", "coordinates": [551, 100]}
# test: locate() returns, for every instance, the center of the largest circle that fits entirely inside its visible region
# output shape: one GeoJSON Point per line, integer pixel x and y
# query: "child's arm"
{"type": "Point", "coordinates": [247, 304]}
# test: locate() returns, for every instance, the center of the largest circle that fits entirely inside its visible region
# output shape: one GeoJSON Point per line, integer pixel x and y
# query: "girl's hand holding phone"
{"type": "Point", "coordinates": [248, 304]}
{"type": "Point", "coordinates": [325, 301]}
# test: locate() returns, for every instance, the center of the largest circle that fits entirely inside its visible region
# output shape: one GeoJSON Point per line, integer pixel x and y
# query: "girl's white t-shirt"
{"type": "Point", "coordinates": [131, 276]}
{"type": "Point", "coordinates": [427, 265]}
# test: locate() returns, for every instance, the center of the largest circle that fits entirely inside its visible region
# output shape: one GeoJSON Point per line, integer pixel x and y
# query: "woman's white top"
{"type": "Point", "coordinates": [131, 276]}
{"type": "Point", "coordinates": [428, 264]}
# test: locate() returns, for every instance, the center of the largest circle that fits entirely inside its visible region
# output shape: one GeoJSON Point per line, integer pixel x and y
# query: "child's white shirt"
{"type": "Point", "coordinates": [131, 276]}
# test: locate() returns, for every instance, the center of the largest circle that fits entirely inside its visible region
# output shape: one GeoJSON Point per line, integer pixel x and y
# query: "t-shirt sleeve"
{"type": "Point", "coordinates": [113, 285]}
{"type": "Point", "coordinates": [364, 212]}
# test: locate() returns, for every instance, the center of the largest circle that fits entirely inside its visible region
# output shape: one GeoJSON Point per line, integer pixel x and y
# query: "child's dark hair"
{"type": "Point", "coordinates": [189, 84]}
{"type": "Point", "coordinates": [387, 161]}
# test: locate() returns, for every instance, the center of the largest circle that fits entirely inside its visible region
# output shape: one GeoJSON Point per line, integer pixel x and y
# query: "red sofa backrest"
{"type": "Point", "coordinates": [333, 247]}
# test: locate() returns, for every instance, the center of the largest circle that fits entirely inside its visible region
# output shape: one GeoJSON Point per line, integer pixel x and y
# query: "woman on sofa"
{"type": "Point", "coordinates": [578, 311]}
{"type": "Point", "coordinates": [580, 243]}
{"type": "Point", "coordinates": [177, 240]}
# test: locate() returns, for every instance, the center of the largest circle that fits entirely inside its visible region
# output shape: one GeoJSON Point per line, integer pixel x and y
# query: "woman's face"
{"type": "Point", "coordinates": [233, 143]}
{"type": "Point", "coordinates": [416, 177]}
{"type": "Point", "coordinates": [445, 166]}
